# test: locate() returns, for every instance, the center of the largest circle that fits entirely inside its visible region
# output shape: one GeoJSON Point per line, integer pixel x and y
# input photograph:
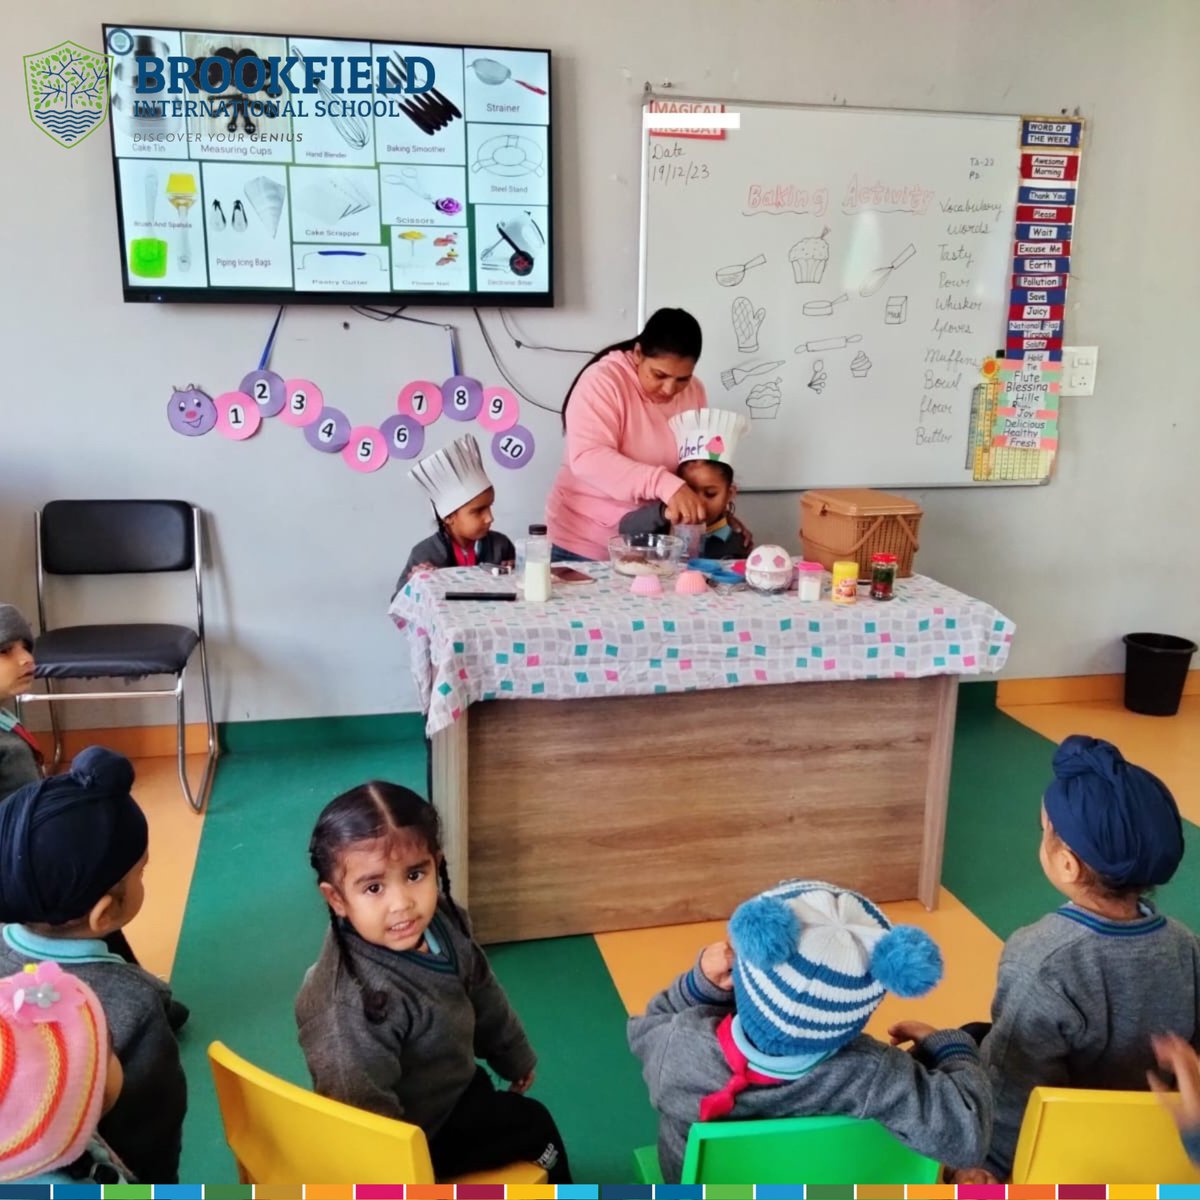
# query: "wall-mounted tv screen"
{"type": "Point", "coordinates": [280, 168]}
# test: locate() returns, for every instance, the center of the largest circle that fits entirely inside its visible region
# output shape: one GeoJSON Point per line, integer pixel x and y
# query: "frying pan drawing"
{"type": "Point", "coordinates": [823, 308]}
{"type": "Point", "coordinates": [731, 276]}
{"type": "Point", "coordinates": [875, 280]}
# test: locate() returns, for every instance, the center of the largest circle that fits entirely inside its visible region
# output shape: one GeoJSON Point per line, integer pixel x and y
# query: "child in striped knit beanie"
{"type": "Point", "coordinates": [58, 1076]}
{"type": "Point", "coordinates": [771, 1025]}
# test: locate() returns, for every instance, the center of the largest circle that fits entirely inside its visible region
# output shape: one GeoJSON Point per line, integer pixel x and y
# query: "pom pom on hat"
{"type": "Point", "coordinates": [812, 961]}
{"type": "Point", "coordinates": [907, 961]}
{"type": "Point", "coordinates": [765, 931]}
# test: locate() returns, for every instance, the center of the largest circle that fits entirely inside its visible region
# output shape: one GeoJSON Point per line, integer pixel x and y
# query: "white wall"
{"type": "Point", "coordinates": [306, 551]}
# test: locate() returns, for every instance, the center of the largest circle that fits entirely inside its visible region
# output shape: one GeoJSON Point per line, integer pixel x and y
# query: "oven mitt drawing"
{"type": "Point", "coordinates": [746, 321]}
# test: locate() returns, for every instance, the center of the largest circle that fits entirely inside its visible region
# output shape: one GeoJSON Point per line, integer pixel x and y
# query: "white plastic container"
{"type": "Point", "coordinates": [536, 582]}
{"type": "Point", "coordinates": [809, 576]}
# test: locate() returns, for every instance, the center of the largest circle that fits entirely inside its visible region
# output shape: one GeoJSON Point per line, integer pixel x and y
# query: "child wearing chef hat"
{"type": "Point", "coordinates": [462, 498]}
{"type": "Point", "coordinates": [706, 439]}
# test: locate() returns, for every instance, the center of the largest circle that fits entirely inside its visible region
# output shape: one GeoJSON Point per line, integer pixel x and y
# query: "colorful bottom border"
{"type": "Point", "coordinates": [583, 1191]}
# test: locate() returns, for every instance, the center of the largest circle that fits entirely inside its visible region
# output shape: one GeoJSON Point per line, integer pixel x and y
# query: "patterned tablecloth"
{"type": "Point", "coordinates": [598, 639]}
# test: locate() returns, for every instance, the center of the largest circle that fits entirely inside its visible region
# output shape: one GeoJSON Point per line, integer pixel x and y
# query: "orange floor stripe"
{"type": "Point", "coordinates": [643, 961]}
{"type": "Point", "coordinates": [1168, 746]}
{"type": "Point", "coordinates": [174, 842]}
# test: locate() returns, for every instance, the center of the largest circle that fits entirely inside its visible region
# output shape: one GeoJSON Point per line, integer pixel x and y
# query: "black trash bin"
{"type": "Point", "coordinates": [1156, 668]}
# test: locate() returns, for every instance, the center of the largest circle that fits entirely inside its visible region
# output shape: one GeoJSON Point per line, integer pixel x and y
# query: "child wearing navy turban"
{"type": "Point", "coordinates": [1081, 992]}
{"type": "Point", "coordinates": [72, 851]}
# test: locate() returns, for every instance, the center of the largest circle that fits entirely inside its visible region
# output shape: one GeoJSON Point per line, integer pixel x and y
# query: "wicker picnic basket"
{"type": "Point", "coordinates": [856, 523]}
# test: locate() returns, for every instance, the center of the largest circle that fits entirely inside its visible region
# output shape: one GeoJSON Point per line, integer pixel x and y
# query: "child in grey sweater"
{"type": "Point", "coordinates": [20, 757]}
{"type": "Point", "coordinates": [72, 851]}
{"type": "Point", "coordinates": [772, 1026]}
{"type": "Point", "coordinates": [1081, 992]}
{"type": "Point", "coordinates": [402, 1000]}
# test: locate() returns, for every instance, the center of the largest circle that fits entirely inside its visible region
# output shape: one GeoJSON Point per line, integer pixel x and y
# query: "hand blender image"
{"type": "Point", "coordinates": [523, 235]}
{"type": "Point", "coordinates": [181, 194]}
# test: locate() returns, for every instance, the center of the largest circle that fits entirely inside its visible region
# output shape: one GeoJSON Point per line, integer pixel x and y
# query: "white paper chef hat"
{"type": "Point", "coordinates": [708, 434]}
{"type": "Point", "coordinates": [453, 476]}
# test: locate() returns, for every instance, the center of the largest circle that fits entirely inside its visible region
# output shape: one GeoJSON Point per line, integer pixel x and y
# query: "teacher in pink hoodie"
{"type": "Point", "coordinates": [620, 452]}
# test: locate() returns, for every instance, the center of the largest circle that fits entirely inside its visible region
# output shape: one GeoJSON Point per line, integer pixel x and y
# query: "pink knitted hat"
{"type": "Point", "coordinates": [53, 1063]}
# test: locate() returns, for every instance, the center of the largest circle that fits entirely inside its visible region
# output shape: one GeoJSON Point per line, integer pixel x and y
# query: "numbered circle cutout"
{"type": "Point", "coordinates": [513, 448]}
{"type": "Point", "coordinates": [500, 411]}
{"type": "Point", "coordinates": [330, 432]}
{"type": "Point", "coordinates": [403, 436]}
{"type": "Point", "coordinates": [420, 400]}
{"type": "Point", "coordinates": [303, 402]}
{"type": "Point", "coordinates": [366, 450]}
{"type": "Point", "coordinates": [237, 416]}
{"type": "Point", "coordinates": [462, 398]}
{"type": "Point", "coordinates": [268, 391]}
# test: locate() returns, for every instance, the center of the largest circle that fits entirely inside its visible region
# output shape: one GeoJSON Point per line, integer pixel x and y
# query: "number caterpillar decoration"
{"type": "Point", "coordinates": [239, 414]}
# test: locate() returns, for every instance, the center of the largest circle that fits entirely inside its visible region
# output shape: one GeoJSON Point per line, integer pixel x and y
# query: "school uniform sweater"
{"type": "Point", "coordinates": [620, 451]}
{"type": "Point", "coordinates": [721, 542]}
{"type": "Point", "coordinates": [444, 1010]}
{"type": "Point", "coordinates": [493, 548]}
{"type": "Point", "coordinates": [1076, 1002]}
{"type": "Point", "coordinates": [18, 761]}
{"type": "Point", "coordinates": [937, 1100]}
{"type": "Point", "coordinates": [145, 1126]}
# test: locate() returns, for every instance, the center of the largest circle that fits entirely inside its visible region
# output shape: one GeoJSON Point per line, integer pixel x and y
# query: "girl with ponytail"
{"type": "Point", "coordinates": [402, 999]}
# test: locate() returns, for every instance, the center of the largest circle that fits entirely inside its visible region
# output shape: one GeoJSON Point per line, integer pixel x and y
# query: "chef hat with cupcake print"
{"type": "Point", "coordinates": [53, 1066]}
{"type": "Point", "coordinates": [708, 435]}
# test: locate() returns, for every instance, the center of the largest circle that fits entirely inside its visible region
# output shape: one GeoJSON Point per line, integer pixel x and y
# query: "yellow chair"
{"type": "Point", "coordinates": [1075, 1135]}
{"type": "Point", "coordinates": [283, 1134]}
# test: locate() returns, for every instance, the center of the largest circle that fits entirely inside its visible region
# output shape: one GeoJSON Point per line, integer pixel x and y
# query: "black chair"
{"type": "Point", "coordinates": [123, 537]}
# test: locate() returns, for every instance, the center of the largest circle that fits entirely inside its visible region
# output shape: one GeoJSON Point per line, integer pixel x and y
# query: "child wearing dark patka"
{"type": "Point", "coordinates": [72, 852]}
{"type": "Point", "coordinates": [1081, 992]}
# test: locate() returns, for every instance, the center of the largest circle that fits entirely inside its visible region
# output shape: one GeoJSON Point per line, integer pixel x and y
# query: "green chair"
{"type": "Point", "coordinates": [792, 1150]}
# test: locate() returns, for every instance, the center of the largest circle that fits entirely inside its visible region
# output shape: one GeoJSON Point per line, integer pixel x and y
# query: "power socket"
{"type": "Point", "coordinates": [1079, 370]}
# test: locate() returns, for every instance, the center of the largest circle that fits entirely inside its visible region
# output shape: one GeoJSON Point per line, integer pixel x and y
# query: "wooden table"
{"type": "Point", "coordinates": [579, 815]}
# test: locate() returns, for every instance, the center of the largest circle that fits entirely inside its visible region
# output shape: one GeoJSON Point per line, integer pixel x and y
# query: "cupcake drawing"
{"type": "Point", "coordinates": [714, 448]}
{"type": "Point", "coordinates": [860, 364]}
{"type": "Point", "coordinates": [809, 257]}
{"type": "Point", "coordinates": [764, 401]}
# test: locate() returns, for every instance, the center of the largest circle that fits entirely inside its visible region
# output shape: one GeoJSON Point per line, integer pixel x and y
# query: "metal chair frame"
{"type": "Point", "coordinates": [52, 698]}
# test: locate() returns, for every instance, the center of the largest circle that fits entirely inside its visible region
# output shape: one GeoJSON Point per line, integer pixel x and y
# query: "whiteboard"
{"type": "Point", "coordinates": [850, 269]}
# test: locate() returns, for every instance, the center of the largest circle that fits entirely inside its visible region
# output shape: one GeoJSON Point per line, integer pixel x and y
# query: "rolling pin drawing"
{"type": "Point", "coordinates": [834, 343]}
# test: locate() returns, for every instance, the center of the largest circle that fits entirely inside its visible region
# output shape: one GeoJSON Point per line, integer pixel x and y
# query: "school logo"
{"type": "Point", "coordinates": [67, 90]}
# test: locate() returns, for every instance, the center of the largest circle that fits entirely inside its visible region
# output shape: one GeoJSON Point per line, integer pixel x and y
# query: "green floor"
{"type": "Point", "coordinates": [254, 922]}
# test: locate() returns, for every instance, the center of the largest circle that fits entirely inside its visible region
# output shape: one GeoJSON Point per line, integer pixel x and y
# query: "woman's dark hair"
{"type": "Point", "coordinates": [668, 331]}
{"type": "Point", "coordinates": [365, 814]}
{"type": "Point", "coordinates": [722, 468]}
